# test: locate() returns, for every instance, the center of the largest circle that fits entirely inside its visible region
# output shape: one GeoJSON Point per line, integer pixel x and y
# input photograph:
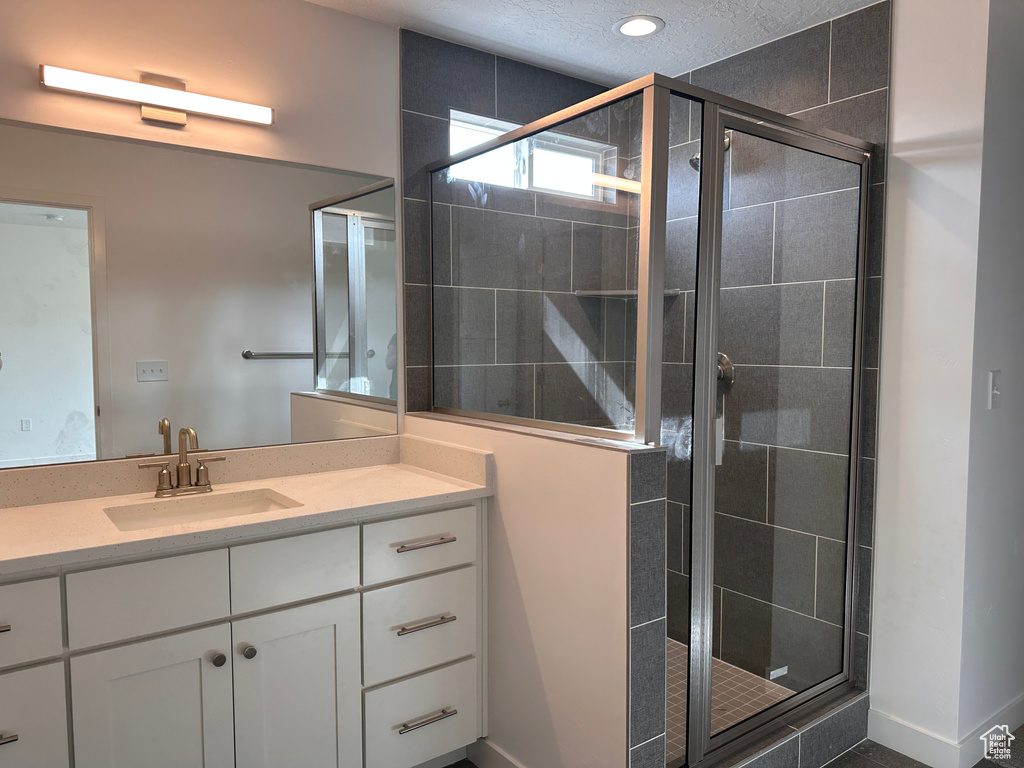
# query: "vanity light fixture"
{"type": "Point", "coordinates": [639, 25]}
{"type": "Point", "coordinates": [175, 99]}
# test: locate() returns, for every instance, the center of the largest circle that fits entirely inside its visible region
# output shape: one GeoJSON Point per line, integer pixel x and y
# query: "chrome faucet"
{"type": "Point", "coordinates": [186, 436]}
{"type": "Point", "coordinates": [187, 439]}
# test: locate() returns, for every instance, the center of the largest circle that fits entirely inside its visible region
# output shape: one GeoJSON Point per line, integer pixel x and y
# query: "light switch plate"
{"type": "Point", "coordinates": [151, 370]}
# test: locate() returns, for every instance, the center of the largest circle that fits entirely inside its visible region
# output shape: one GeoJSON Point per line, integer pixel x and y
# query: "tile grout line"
{"type": "Point", "coordinates": [783, 528]}
{"type": "Point", "coordinates": [775, 211]}
{"type": "Point", "coordinates": [840, 101]}
{"type": "Point", "coordinates": [828, 95]}
{"type": "Point", "coordinates": [817, 542]}
{"type": "Point", "coordinates": [776, 605]}
{"type": "Point", "coordinates": [824, 289]}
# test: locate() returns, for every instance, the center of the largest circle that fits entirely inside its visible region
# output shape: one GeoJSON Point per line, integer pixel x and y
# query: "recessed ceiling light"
{"type": "Point", "coordinates": [639, 26]}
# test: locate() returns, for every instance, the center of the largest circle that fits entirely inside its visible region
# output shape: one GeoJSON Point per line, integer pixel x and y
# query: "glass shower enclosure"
{"type": "Point", "coordinates": [665, 265]}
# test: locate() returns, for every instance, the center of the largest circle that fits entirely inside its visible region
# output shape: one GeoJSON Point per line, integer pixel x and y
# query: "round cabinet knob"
{"type": "Point", "coordinates": [219, 660]}
{"type": "Point", "coordinates": [249, 652]}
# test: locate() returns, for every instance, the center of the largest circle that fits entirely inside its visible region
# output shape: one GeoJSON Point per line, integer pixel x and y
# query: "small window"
{"type": "Point", "coordinates": [548, 162]}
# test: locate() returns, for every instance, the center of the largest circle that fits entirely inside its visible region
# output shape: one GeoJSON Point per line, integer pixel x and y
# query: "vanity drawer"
{"type": "Point", "coordinates": [281, 571]}
{"type": "Point", "coordinates": [125, 601]}
{"type": "Point", "coordinates": [440, 611]}
{"type": "Point", "coordinates": [32, 611]}
{"type": "Point", "coordinates": [394, 549]}
{"type": "Point", "coordinates": [392, 714]}
{"type": "Point", "coordinates": [32, 707]}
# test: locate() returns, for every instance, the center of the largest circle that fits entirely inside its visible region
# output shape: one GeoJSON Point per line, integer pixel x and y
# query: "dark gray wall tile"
{"type": "Point", "coordinates": [830, 591]}
{"type": "Point", "coordinates": [674, 532]}
{"type": "Point", "coordinates": [786, 75]}
{"type": "Point", "coordinates": [876, 229]}
{"type": "Point", "coordinates": [869, 412]}
{"type": "Point", "coordinates": [767, 563]}
{"type": "Point", "coordinates": [860, 51]}
{"type": "Point", "coordinates": [866, 512]}
{"type": "Point", "coordinates": [763, 171]}
{"type": "Point", "coordinates": [592, 394]}
{"type": "Point", "coordinates": [499, 250]}
{"type": "Point", "coordinates": [748, 236]}
{"type": "Point", "coordinates": [717, 594]}
{"type": "Point", "coordinates": [463, 326]}
{"type": "Point", "coordinates": [438, 75]}
{"type": "Point", "coordinates": [417, 389]}
{"type": "Point", "coordinates": [683, 181]}
{"type": "Point", "coordinates": [807, 492]}
{"type": "Point", "coordinates": [834, 735]}
{"type": "Point", "coordinates": [840, 297]}
{"type": "Point", "coordinates": [591, 212]}
{"type": "Point", "coordinates": [759, 637]}
{"type": "Point", "coordinates": [862, 606]}
{"type": "Point", "coordinates": [681, 254]}
{"type": "Point", "coordinates": [527, 93]}
{"type": "Point", "coordinates": [676, 427]}
{"type": "Point", "coordinates": [647, 565]}
{"type": "Point", "coordinates": [678, 599]}
{"type": "Point", "coordinates": [474, 194]}
{"type": "Point", "coordinates": [816, 237]}
{"type": "Point", "coordinates": [679, 120]}
{"type": "Point", "coordinates": [784, 755]}
{"type": "Point", "coordinates": [424, 141]}
{"type": "Point", "coordinates": [417, 239]}
{"type": "Point", "coordinates": [678, 327]}
{"type": "Point", "coordinates": [646, 476]}
{"type": "Point", "coordinates": [741, 481]}
{"type": "Point", "coordinates": [503, 389]}
{"type": "Point", "coordinates": [649, 755]}
{"type": "Point", "coordinates": [534, 327]}
{"type": "Point", "coordinates": [791, 407]}
{"type": "Point", "coordinates": [872, 321]}
{"type": "Point", "coordinates": [864, 117]}
{"type": "Point", "coordinates": [771, 325]}
{"type": "Point", "coordinates": [519, 326]}
{"type": "Point", "coordinates": [598, 258]}
{"type": "Point", "coordinates": [417, 325]}
{"type": "Point", "coordinates": [646, 682]}
{"type": "Point", "coordinates": [859, 665]}
{"type": "Point", "coordinates": [615, 326]}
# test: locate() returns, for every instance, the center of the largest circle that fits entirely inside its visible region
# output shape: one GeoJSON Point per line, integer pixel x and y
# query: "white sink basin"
{"type": "Point", "coordinates": [191, 509]}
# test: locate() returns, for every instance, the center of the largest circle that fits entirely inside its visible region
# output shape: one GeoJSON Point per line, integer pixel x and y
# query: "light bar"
{"type": "Point", "coordinates": [127, 90]}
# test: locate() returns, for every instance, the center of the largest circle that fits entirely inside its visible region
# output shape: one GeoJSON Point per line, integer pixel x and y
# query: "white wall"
{"type": "Point", "coordinates": [331, 78]}
{"type": "Point", "coordinates": [992, 671]}
{"type": "Point", "coordinates": [558, 617]}
{"type": "Point", "coordinates": [934, 184]}
{"type": "Point", "coordinates": [46, 342]}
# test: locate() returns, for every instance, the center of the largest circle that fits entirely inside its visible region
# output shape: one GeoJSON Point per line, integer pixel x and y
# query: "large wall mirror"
{"type": "Point", "coordinates": [251, 299]}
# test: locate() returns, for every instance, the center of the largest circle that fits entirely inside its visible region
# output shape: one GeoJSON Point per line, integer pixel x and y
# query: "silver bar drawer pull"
{"type": "Point", "coordinates": [5, 628]}
{"type": "Point", "coordinates": [14, 737]}
{"type": "Point", "coordinates": [425, 544]}
{"type": "Point", "coordinates": [426, 625]}
{"type": "Point", "coordinates": [429, 720]}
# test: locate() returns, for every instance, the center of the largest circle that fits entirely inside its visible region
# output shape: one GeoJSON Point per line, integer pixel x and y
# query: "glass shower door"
{"type": "Point", "coordinates": [785, 308]}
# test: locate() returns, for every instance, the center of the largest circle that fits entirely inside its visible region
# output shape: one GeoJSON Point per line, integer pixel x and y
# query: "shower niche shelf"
{"type": "Point", "coordinates": [624, 294]}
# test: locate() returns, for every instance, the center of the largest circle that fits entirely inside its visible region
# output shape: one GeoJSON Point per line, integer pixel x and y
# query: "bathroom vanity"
{"type": "Point", "coordinates": [338, 619]}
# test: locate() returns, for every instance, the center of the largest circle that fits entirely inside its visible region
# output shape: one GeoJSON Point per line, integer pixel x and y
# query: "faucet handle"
{"type": "Point", "coordinates": [163, 478]}
{"type": "Point", "coordinates": [202, 472]}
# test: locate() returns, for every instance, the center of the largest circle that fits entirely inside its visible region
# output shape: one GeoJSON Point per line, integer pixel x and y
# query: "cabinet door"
{"type": "Point", "coordinates": [33, 718]}
{"type": "Point", "coordinates": [297, 700]}
{"type": "Point", "coordinates": [160, 703]}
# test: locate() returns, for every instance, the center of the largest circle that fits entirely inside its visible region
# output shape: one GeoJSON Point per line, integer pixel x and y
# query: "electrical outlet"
{"type": "Point", "coordinates": [776, 673]}
{"type": "Point", "coordinates": [151, 370]}
{"type": "Point", "coordinates": [26, 425]}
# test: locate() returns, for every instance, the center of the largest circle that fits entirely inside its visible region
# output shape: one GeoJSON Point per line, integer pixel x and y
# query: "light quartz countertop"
{"type": "Point", "coordinates": [48, 536]}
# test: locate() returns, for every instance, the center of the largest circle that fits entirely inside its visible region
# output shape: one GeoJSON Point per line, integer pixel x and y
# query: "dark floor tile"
{"type": "Point", "coordinates": [860, 51]}
{"type": "Point", "coordinates": [805, 408]}
{"type": "Point", "coordinates": [830, 588]}
{"type": "Point", "coordinates": [748, 236]}
{"type": "Point", "coordinates": [462, 764]}
{"type": "Point", "coordinates": [885, 757]}
{"type": "Point", "coordinates": [852, 760]}
{"type": "Point", "coordinates": [598, 258]}
{"type": "Point", "coordinates": [527, 93]}
{"type": "Point", "coordinates": [417, 325]}
{"type": "Point", "coordinates": [807, 491]}
{"type": "Point", "coordinates": [759, 637]}
{"type": "Point", "coordinates": [463, 326]}
{"type": "Point", "coordinates": [417, 389]}
{"type": "Point", "coordinates": [424, 141]}
{"type": "Point", "coordinates": [763, 171]}
{"type": "Point", "coordinates": [438, 76]}
{"type": "Point", "coordinates": [646, 476]}
{"type": "Point", "coordinates": [647, 540]}
{"type": "Point", "coordinates": [766, 563]}
{"type": "Point", "coordinates": [500, 250]}
{"type": "Point", "coordinates": [772, 324]}
{"type": "Point", "coordinates": [646, 682]}
{"type": "Point", "coordinates": [741, 481]}
{"type": "Point", "coordinates": [786, 75]}
{"type": "Point", "coordinates": [816, 237]}
{"type": "Point", "coordinates": [506, 390]}
{"type": "Point", "coordinates": [833, 736]}
{"type": "Point", "coordinates": [649, 755]}
{"type": "Point", "coordinates": [840, 318]}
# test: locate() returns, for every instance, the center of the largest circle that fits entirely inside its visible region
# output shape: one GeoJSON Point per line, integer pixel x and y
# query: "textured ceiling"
{"type": "Point", "coordinates": [576, 36]}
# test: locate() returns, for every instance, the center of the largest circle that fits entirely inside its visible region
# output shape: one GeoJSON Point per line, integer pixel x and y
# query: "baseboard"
{"type": "Point", "coordinates": [933, 750]}
{"type": "Point", "coordinates": [486, 754]}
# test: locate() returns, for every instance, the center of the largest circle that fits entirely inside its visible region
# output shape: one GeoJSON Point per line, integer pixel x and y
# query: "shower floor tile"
{"type": "Point", "coordinates": [735, 695]}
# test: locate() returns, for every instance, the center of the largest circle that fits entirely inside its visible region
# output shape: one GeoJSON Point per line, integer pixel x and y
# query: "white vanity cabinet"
{"type": "Point", "coordinates": [353, 647]}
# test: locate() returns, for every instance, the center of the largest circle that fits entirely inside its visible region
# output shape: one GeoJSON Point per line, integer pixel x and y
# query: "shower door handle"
{"type": "Point", "coordinates": [726, 378]}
